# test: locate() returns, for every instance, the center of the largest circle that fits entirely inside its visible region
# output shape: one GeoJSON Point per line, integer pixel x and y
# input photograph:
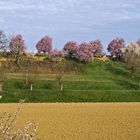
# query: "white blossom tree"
{"type": "Point", "coordinates": [132, 58]}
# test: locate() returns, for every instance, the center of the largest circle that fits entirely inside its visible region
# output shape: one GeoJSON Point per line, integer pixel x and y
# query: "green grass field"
{"type": "Point", "coordinates": [97, 82]}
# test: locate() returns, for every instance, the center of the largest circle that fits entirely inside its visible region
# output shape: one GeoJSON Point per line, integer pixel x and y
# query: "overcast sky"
{"type": "Point", "coordinates": [63, 20]}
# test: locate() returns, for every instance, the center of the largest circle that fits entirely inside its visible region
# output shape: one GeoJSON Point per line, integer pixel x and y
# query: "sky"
{"type": "Point", "coordinates": [64, 20]}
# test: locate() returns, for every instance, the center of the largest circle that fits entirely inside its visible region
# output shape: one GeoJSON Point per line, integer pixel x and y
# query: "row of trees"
{"type": "Point", "coordinates": [84, 52]}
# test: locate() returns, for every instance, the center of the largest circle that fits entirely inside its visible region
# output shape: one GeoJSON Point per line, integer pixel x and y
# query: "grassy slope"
{"type": "Point", "coordinates": [99, 82]}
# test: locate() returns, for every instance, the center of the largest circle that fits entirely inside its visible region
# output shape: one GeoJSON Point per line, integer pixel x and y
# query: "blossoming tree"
{"type": "Point", "coordinates": [70, 49]}
{"type": "Point", "coordinates": [44, 45]}
{"type": "Point", "coordinates": [132, 57]}
{"type": "Point", "coordinates": [96, 47]}
{"type": "Point", "coordinates": [84, 53]}
{"type": "Point", "coordinates": [17, 47]}
{"type": "Point", "coordinates": [115, 47]}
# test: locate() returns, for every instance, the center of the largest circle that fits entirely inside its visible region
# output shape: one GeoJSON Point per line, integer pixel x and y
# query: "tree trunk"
{"type": "Point", "coordinates": [26, 78]}
{"type": "Point", "coordinates": [61, 87]}
{"type": "Point", "coordinates": [18, 61]}
{"type": "Point", "coordinates": [31, 87]}
{"type": "Point", "coordinates": [18, 58]}
{"type": "Point", "coordinates": [1, 89]}
{"type": "Point", "coordinates": [1, 86]}
{"type": "Point", "coordinates": [132, 72]}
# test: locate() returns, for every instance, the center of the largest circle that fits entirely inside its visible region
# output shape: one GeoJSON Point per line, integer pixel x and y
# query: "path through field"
{"type": "Point", "coordinates": [90, 121]}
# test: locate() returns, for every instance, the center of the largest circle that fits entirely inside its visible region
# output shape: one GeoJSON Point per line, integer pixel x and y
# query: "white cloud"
{"type": "Point", "coordinates": [102, 11]}
{"type": "Point", "coordinates": [65, 16]}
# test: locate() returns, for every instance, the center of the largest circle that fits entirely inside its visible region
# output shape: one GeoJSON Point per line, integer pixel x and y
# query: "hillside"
{"type": "Point", "coordinates": [93, 82]}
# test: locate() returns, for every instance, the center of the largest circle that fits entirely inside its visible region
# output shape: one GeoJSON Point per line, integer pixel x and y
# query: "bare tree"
{"type": "Point", "coordinates": [31, 74]}
{"type": "Point", "coordinates": [60, 69]}
{"type": "Point", "coordinates": [59, 79]}
{"type": "Point", "coordinates": [3, 41]}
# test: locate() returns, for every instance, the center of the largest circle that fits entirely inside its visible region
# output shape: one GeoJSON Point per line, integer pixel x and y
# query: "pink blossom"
{"type": "Point", "coordinates": [84, 53]}
{"type": "Point", "coordinates": [96, 47]}
{"type": "Point", "coordinates": [17, 44]}
{"type": "Point", "coordinates": [56, 53]}
{"type": "Point", "coordinates": [70, 49]}
{"type": "Point", "coordinates": [115, 47]}
{"type": "Point", "coordinates": [138, 42]}
{"type": "Point", "coordinates": [44, 45]}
